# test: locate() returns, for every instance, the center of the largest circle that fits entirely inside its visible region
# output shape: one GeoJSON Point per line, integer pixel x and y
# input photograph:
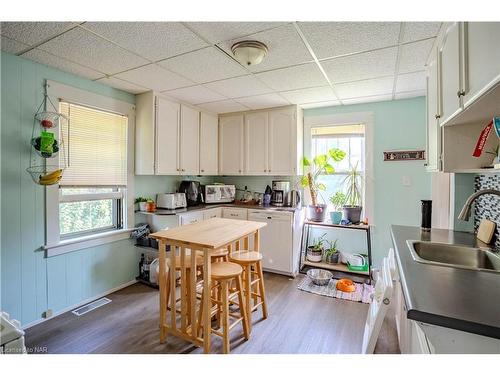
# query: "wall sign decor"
{"type": "Point", "coordinates": [404, 155]}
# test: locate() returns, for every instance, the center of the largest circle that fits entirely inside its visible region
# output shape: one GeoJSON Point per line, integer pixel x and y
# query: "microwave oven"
{"type": "Point", "coordinates": [220, 193]}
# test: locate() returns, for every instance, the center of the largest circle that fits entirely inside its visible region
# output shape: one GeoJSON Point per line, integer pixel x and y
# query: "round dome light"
{"type": "Point", "coordinates": [249, 52]}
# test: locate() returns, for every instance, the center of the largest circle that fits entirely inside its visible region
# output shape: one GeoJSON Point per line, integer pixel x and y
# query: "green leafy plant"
{"type": "Point", "coordinates": [140, 199]}
{"type": "Point", "coordinates": [321, 164]}
{"type": "Point", "coordinates": [353, 184]}
{"type": "Point", "coordinates": [338, 200]}
{"type": "Point", "coordinates": [150, 200]}
{"type": "Point", "coordinates": [318, 243]}
{"type": "Point", "coordinates": [332, 248]}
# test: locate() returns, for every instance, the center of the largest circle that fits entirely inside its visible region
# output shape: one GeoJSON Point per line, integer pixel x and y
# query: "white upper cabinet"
{"type": "Point", "coordinates": [209, 134]}
{"type": "Point", "coordinates": [433, 128]}
{"type": "Point", "coordinates": [449, 60]}
{"type": "Point", "coordinates": [256, 143]}
{"type": "Point", "coordinates": [167, 136]}
{"type": "Point", "coordinates": [145, 134]}
{"type": "Point", "coordinates": [231, 144]}
{"type": "Point", "coordinates": [283, 151]}
{"type": "Point", "coordinates": [189, 141]}
{"type": "Point", "coordinates": [482, 67]}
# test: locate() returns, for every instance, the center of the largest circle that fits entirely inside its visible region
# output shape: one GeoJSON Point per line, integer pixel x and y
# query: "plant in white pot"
{"type": "Point", "coordinates": [315, 251]}
{"type": "Point", "coordinates": [142, 203]}
{"type": "Point", "coordinates": [354, 194]}
{"type": "Point", "coordinates": [320, 165]}
{"type": "Point", "coordinates": [338, 200]}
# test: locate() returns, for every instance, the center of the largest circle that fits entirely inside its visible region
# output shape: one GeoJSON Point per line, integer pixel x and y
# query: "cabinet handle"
{"type": "Point", "coordinates": [437, 116]}
{"type": "Point", "coordinates": [177, 169]}
{"type": "Point", "coordinates": [460, 93]}
{"type": "Point", "coordinates": [203, 170]}
{"type": "Point", "coordinates": [239, 170]}
{"type": "Point", "coordinates": [184, 170]}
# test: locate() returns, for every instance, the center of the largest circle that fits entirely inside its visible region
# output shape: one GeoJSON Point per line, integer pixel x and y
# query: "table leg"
{"type": "Point", "coordinates": [207, 308]}
{"type": "Point", "coordinates": [173, 307]}
{"type": "Point", "coordinates": [163, 292]}
{"type": "Point", "coordinates": [184, 281]}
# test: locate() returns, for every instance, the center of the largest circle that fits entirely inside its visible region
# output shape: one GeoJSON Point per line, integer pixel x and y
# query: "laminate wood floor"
{"type": "Point", "coordinates": [298, 322]}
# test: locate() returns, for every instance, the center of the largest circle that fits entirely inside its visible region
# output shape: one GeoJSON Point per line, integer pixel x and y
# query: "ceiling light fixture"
{"type": "Point", "coordinates": [249, 52]}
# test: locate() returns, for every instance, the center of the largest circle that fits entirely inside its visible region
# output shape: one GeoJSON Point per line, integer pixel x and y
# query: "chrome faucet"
{"type": "Point", "coordinates": [465, 213]}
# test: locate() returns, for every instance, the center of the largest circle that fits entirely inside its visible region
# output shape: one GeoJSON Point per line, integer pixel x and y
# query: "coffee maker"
{"type": "Point", "coordinates": [280, 193]}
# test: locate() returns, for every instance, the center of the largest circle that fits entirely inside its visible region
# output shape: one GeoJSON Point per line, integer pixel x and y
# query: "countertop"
{"type": "Point", "coordinates": [163, 212]}
{"type": "Point", "coordinates": [461, 299]}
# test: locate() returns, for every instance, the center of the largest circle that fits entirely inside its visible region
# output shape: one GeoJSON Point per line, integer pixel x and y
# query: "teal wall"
{"type": "Point", "coordinates": [31, 283]}
{"type": "Point", "coordinates": [398, 124]}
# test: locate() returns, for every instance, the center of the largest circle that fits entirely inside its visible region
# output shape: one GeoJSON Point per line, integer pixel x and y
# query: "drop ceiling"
{"type": "Point", "coordinates": [309, 63]}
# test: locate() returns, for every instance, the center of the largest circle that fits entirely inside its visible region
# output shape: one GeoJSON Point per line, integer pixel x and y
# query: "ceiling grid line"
{"type": "Point", "coordinates": [398, 59]}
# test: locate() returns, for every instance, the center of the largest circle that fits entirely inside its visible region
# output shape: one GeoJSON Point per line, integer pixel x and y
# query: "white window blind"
{"type": "Point", "coordinates": [96, 150]}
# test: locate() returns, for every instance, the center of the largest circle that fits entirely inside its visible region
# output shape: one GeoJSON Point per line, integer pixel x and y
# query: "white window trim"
{"type": "Point", "coordinates": [365, 118]}
{"type": "Point", "coordinates": [53, 243]}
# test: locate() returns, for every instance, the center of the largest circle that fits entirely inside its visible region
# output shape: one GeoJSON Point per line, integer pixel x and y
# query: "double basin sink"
{"type": "Point", "coordinates": [456, 256]}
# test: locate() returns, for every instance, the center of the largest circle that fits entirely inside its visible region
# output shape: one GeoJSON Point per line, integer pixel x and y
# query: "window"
{"type": "Point", "coordinates": [93, 187]}
{"type": "Point", "coordinates": [348, 138]}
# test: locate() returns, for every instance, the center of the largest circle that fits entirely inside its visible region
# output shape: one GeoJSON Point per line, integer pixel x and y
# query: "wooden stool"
{"type": "Point", "coordinates": [223, 273]}
{"type": "Point", "coordinates": [220, 255]}
{"type": "Point", "coordinates": [251, 261]}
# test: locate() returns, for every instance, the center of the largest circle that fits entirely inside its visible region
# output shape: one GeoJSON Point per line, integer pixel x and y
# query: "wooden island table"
{"type": "Point", "coordinates": [202, 238]}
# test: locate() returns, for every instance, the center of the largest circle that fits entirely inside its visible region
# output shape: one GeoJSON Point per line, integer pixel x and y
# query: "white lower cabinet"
{"type": "Point", "coordinates": [212, 212]}
{"type": "Point", "coordinates": [190, 217]}
{"type": "Point", "coordinates": [234, 213]}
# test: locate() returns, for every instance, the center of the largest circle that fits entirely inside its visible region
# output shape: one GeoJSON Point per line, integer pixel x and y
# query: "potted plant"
{"type": "Point", "coordinates": [315, 251]}
{"type": "Point", "coordinates": [353, 187]}
{"type": "Point", "coordinates": [142, 203]}
{"type": "Point", "coordinates": [332, 253]}
{"type": "Point", "coordinates": [338, 200]}
{"type": "Point", "coordinates": [320, 165]}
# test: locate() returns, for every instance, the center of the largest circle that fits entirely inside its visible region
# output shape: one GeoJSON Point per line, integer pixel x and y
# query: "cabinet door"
{"type": "Point", "coordinates": [191, 217]}
{"type": "Point", "coordinates": [212, 212]}
{"type": "Point", "coordinates": [145, 134]}
{"type": "Point", "coordinates": [256, 143]}
{"type": "Point", "coordinates": [450, 72]}
{"type": "Point", "coordinates": [481, 41]}
{"type": "Point", "coordinates": [433, 128]}
{"type": "Point", "coordinates": [209, 127]}
{"type": "Point", "coordinates": [189, 141]}
{"type": "Point", "coordinates": [167, 137]}
{"type": "Point", "coordinates": [231, 145]}
{"type": "Point", "coordinates": [282, 142]}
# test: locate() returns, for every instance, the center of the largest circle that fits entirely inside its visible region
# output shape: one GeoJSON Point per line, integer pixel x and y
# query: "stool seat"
{"type": "Point", "coordinates": [245, 257]}
{"type": "Point", "coordinates": [225, 270]}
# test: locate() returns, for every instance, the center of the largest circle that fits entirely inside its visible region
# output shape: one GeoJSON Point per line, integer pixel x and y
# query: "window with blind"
{"type": "Point", "coordinates": [92, 190]}
{"type": "Point", "coordinates": [348, 138]}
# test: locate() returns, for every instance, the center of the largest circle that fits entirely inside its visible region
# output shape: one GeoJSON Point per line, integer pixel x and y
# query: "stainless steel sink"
{"type": "Point", "coordinates": [454, 256]}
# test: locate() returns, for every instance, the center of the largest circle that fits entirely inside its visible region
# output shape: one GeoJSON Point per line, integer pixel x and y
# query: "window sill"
{"type": "Point", "coordinates": [84, 242]}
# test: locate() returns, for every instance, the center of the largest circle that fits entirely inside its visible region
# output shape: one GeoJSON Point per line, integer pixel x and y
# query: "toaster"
{"type": "Point", "coordinates": [171, 201]}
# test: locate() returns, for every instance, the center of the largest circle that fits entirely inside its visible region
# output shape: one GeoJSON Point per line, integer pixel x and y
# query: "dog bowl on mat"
{"type": "Point", "coordinates": [320, 277]}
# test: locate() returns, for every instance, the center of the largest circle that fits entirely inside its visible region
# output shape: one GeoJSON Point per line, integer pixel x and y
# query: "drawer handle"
{"type": "Point", "coordinates": [203, 170]}
{"type": "Point", "coordinates": [460, 93]}
{"type": "Point", "coordinates": [437, 116]}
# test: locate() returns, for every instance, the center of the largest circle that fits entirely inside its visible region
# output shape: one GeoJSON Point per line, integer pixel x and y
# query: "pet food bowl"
{"type": "Point", "coordinates": [320, 277]}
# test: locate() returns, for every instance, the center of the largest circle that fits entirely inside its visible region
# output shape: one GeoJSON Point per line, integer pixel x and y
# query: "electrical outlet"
{"type": "Point", "coordinates": [48, 313]}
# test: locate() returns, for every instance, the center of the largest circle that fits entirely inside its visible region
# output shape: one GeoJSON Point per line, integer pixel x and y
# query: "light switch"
{"type": "Point", "coordinates": [406, 181]}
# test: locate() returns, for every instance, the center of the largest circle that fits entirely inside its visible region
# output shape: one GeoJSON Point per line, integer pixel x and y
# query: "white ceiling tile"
{"type": "Point", "coordinates": [285, 48]}
{"type": "Point", "coordinates": [123, 85]}
{"type": "Point", "coordinates": [216, 32]}
{"type": "Point", "coordinates": [411, 82]}
{"type": "Point", "coordinates": [90, 50]}
{"type": "Point", "coordinates": [315, 94]}
{"type": "Point", "coordinates": [361, 66]}
{"type": "Point", "coordinates": [223, 106]}
{"type": "Point", "coordinates": [367, 99]}
{"type": "Point", "coordinates": [263, 101]}
{"type": "Point", "coordinates": [329, 39]}
{"type": "Point", "coordinates": [369, 87]}
{"type": "Point", "coordinates": [152, 40]}
{"type": "Point", "coordinates": [296, 77]}
{"type": "Point", "coordinates": [33, 33]}
{"type": "Point", "coordinates": [155, 78]}
{"type": "Point", "coordinates": [420, 30]}
{"type": "Point", "coordinates": [328, 103]}
{"type": "Point", "coordinates": [11, 46]}
{"type": "Point", "coordinates": [205, 65]}
{"type": "Point", "coordinates": [414, 55]}
{"type": "Point", "coordinates": [195, 95]}
{"type": "Point", "coordinates": [239, 86]}
{"type": "Point", "coordinates": [410, 94]}
{"type": "Point", "coordinates": [46, 58]}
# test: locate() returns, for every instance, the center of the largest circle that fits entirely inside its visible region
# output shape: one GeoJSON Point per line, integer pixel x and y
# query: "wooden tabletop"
{"type": "Point", "coordinates": [210, 234]}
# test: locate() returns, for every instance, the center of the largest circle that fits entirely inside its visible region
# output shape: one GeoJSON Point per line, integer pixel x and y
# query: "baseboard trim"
{"type": "Point", "coordinates": [84, 302]}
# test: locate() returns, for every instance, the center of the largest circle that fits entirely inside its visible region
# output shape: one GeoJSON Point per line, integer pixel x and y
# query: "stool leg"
{"type": "Point", "coordinates": [243, 311]}
{"type": "Point", "coordinates": [225, 317]}
{"type": "Point", "coordinates": [200, 316]}
{"type": "Point", "coordinates": [262, 290]}
{"type": "Point", "coordinates": [187, 280]}
{"type": "Point", "coordinates": [248, 294]}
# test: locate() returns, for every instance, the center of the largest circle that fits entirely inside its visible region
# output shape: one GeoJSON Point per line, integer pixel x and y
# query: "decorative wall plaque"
{"type": "Point", "coordinates": [404, 155]}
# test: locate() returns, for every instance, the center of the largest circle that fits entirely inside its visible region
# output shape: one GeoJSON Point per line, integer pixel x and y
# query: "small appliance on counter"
{"type": "Point", "coordinates": [192, 190]}
{"type": "Point", "coordinates": [280, 193]}
{"type": "Point", "coordinates": [171, 201]}
{"type": "Point", "coordinates": [219, 193]}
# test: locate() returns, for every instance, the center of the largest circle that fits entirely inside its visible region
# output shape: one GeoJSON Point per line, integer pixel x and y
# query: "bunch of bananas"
{"type": "Point", "coordinates": [51, 178]}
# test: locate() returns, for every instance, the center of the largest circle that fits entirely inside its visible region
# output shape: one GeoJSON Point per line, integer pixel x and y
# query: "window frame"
{"type": "Point", "coordinates": [55, 244]}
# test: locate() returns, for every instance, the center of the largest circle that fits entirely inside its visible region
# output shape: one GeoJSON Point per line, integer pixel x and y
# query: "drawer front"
{"type": "Point", "coordinates": [190, 218]}
{"type": "Point", "coordinates": [234, 213]}
{"type": "Point", "coordinates": [213, 212]}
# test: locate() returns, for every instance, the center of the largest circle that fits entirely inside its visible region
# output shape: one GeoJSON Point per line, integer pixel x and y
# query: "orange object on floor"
{"type": "Point", "coordinates": [346, 285]}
